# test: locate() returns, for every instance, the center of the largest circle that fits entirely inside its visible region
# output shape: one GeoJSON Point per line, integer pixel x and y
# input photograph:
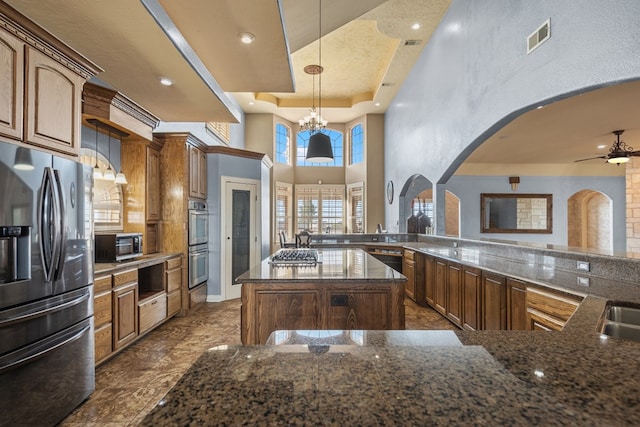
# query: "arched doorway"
{"type": "Point", "coordinates": [589, 220]}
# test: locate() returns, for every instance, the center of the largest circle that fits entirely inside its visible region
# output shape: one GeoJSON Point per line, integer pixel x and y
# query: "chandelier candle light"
{"type": "Point", "coordinates": [319, 148]}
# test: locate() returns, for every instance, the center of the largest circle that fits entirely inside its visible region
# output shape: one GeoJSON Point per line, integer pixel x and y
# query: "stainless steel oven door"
{"type": "Point", "coordinates": [198, 265]}
{"type": "Point", "coordinates": [198, 227]}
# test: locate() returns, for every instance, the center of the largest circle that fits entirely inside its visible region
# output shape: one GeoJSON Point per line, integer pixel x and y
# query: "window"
{"type": "Point", "coordinates": [320, 208]}
{"type": "Point", "coordinates": [284, 217]}
{"type": "Point", "coordinates": [357, 144]}
{"type": "Point", "coordinates": [107, 197]}
{"type": "Point", "coordinates": [283, 146]}
{"type": "Point", "coordinates": [303, 143]}
{"type": "Point", "coordinates": [355, 198]}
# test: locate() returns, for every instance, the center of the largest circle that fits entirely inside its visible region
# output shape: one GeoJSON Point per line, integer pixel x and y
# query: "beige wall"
{"type": "Point", "coordinates": [260, 136]}
{"type": "Point", "coordinates": [633, 204]}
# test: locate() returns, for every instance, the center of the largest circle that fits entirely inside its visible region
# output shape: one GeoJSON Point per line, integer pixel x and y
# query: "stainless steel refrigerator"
{"type": "Point", "coordinates": [46, 286]}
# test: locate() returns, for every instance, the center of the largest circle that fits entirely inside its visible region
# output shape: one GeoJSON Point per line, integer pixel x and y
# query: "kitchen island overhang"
{"type": "Point", "coordinates": [348, 290]}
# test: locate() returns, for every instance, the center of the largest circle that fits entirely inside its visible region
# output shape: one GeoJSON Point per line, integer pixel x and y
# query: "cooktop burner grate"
{"type": "Point", "coordinates": [295, 257]}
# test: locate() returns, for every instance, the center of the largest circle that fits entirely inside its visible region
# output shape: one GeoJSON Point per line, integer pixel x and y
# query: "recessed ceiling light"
{"type": "Point", "coordinates": [165, 81]}
{"type": "Point", "coordinates": [601, 146]}
{"type": "Point", "coordinates": [415, 26]}
{"type": "Point", "coordinates": [539, 107]}
{"type": "Point", "coordinates": [377, 104]}
{"type": "Point", "coordinates": [251, 102]}
{"type": "Point", "coordinates": [246, 38]}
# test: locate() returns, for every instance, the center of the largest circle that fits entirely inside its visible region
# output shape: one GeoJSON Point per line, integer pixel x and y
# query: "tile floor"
{"type": "Point", "coordinates": [129, 385]}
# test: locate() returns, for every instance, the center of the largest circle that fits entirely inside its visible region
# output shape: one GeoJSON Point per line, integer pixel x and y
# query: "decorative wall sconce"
{"type": "Point", "coordinates": [514, 181]}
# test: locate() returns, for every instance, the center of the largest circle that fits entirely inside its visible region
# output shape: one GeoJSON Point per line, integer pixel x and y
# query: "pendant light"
{"type": "Point", "coordinates": [319, 148]}
{"type": "Point", "coordinates": [23, 161]}
{"type": "Point", "coordinates": [97, 173]}
{"type": "Point", "coordinates": [120, 176]}
{"type": "Point", "coordinates": [109, 175]}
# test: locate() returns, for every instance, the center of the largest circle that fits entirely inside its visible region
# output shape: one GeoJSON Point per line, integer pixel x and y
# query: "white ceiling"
{"type": "Point", "coordinates": [195, 43]}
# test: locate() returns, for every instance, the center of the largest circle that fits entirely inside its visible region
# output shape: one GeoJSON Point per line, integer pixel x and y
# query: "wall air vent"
{"type": "Point", "coordinates": [540, 35]}
{"type": "Point", "coordinates": [412, 42]}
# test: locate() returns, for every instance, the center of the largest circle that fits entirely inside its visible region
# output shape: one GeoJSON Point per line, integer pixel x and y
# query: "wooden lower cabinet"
{"type": "Point", "coordinates": [367, 309]}
{"type": "Point", "coordinates": [173, 277]}
{"type": "Point", "coordinates": [152, 311]}
{"type": "Point", "coordinates": [517, 305]}
{"type": "Point", "coordinates": [430, 280]}
{"type": "Point", "coordinates": [102, 317]}
{"type": "Point", "coordinates": [494, 302]}
{"type": "Point", "coordinates": [471, 299]}
{"type": "Point", "coordinates": [454, 293]}
{"type": "Point", "coordinates": [409, 270]}
{"type": "Point", "coordinates": [125, 314]}
{"type": "Point", "coordinates": [197, 296]}
{"type": "Point", "coordinates": [440, 297]}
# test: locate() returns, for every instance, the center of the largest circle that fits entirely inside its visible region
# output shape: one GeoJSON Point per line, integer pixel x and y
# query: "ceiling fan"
{"type": "Point", "coordinates": [618, 153]}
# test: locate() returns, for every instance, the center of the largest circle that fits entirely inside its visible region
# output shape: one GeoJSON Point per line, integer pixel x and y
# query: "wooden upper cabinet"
{"type": "Point", "coordinates": [197, 173]}
{"type": "Point", "coordinates": [53, 104]}
{"type": "Point", "coordinates": [153, 185]}
{"type": "Point", "coordinates": [11, 85]}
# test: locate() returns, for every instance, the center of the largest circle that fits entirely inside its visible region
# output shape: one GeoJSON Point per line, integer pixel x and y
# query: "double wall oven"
{"type": "Point", "coordinates": [198, 238]}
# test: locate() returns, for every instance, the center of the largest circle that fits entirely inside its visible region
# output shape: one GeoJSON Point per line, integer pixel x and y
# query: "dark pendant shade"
{"type": "Point", "coordinates": [319, 149]}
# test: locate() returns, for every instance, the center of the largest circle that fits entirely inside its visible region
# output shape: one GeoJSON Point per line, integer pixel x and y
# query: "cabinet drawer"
{"type": "Point", "coordinates": [174, 279]}
{"type": "Point", "coordinates": [101, 284]}
{"type": "Point", "coordinates": [152, 312]}
{"type": "Point", "coordinates": [102, 309]}
{"type": "Point", "coordinates": [125, 277]}
{"type": "Point", "coordinates": [172, 263]}
{"type": "Point", "coordinates": [409, 255]}
{"type": "Point", "coordinates": [102, 342]}
{"type": "Point", "coordinates": [174, 303]}
{"type": "Point", "coordinates": [559, 306]}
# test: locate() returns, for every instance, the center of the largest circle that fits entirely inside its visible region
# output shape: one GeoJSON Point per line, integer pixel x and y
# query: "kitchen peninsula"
{"type": "Point", "coordinates": [347, 289]}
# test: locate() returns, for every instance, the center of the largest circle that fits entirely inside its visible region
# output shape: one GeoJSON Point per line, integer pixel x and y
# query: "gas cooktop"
{"type": "Point", "coordinates": [296, 256]}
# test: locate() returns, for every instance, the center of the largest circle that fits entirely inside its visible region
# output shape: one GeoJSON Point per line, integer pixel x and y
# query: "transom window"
{"type": "Point", "coordinates": [283, 144]}
{"type": "Point", "coordinates": [357, 144]}
{"type": "Point", "coordinates": [336, 144]}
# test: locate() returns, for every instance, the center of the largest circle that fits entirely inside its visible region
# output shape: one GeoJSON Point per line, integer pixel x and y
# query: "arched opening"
{"type": "Point", "coordinates": [451, 214]}
{"type": "Point", "coordinates": [589, 220]}
{"type": "Point", "coordinates": [416, 187]}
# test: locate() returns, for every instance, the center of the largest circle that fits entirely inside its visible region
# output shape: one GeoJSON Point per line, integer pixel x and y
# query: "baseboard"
{"type": "Point", "coordinates": [214, 298]}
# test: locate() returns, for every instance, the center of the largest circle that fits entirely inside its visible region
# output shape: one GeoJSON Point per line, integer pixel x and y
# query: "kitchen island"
{"type": "Point", "coordinates": [347, 289]}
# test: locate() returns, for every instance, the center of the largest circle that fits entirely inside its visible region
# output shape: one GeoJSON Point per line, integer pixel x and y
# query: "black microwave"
{"type": "Point", "coordinates": [115, 247]}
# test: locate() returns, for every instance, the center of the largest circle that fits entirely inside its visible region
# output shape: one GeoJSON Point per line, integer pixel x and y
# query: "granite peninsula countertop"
{"type": "Point", "coordinates": [572, 377]}
{"type": "Point", "coordinates": [337, 265]}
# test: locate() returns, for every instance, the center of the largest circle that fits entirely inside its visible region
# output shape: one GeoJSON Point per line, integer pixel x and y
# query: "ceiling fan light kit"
{"type": "Point", "coordinates": [619, 152]}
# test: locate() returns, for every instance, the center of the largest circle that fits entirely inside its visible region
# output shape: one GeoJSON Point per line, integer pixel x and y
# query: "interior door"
{"type": "Point", "coordinates": [241, 228]}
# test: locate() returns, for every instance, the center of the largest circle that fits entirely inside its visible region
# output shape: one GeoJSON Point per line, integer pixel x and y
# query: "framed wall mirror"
{"type": "Point", "coordinates": [515, 213]}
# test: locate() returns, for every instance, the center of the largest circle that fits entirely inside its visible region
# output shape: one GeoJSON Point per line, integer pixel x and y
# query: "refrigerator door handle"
{"type": "Point", "coordinates": [41, 311]}
{"type": "Point", "coordinates": [39, 350]}
{"type": "Point", "coordinates": [48, 225]}
{"type": "Point", "coordinates": [60, 221]}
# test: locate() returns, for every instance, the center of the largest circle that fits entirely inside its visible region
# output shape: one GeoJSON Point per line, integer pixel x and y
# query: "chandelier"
{"type": "Point", "coordinates": [313, 122]}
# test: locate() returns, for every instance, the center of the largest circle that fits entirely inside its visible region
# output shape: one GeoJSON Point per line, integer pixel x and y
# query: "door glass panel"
{"type": "Point", "coordinates": [241, 231]}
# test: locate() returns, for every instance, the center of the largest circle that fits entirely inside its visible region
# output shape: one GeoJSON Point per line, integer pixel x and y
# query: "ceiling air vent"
{"type": "Point", "coordinates": [412, 42]}
{"type": "Point", "coordinates": [536, 38]}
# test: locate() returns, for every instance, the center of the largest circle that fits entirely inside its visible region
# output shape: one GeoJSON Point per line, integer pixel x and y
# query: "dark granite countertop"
{"type": "Point", "coordinates": [572, 377]}
{"type": "Point", "coordinates": [338, 265]}
{"type": "Point", "coordinates": [542, 272]}
{"type": "Point", "coordinates": [103, 268]}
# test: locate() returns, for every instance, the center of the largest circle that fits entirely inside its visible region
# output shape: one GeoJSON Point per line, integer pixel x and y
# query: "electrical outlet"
{"type": "Point", "coordinates": [583, 281]}
{"type": "Point", "coordinates": [583, 266]}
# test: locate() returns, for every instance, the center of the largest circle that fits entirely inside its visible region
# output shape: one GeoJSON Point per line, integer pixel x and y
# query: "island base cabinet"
{"type": "Point", "coordinates": [270, 307]}
{"type": "Point", "coordinates": [356, 310]}
{"type": "Point", "coordinates": [286, 310]}
{"type": "Point", "coordinates": [494, 302]}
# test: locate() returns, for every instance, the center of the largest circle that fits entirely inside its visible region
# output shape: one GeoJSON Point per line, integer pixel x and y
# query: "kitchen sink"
{"type": "Point", "coordinates": [622, 322]}
{"type": "Point", "coordinates": [629, 315]}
